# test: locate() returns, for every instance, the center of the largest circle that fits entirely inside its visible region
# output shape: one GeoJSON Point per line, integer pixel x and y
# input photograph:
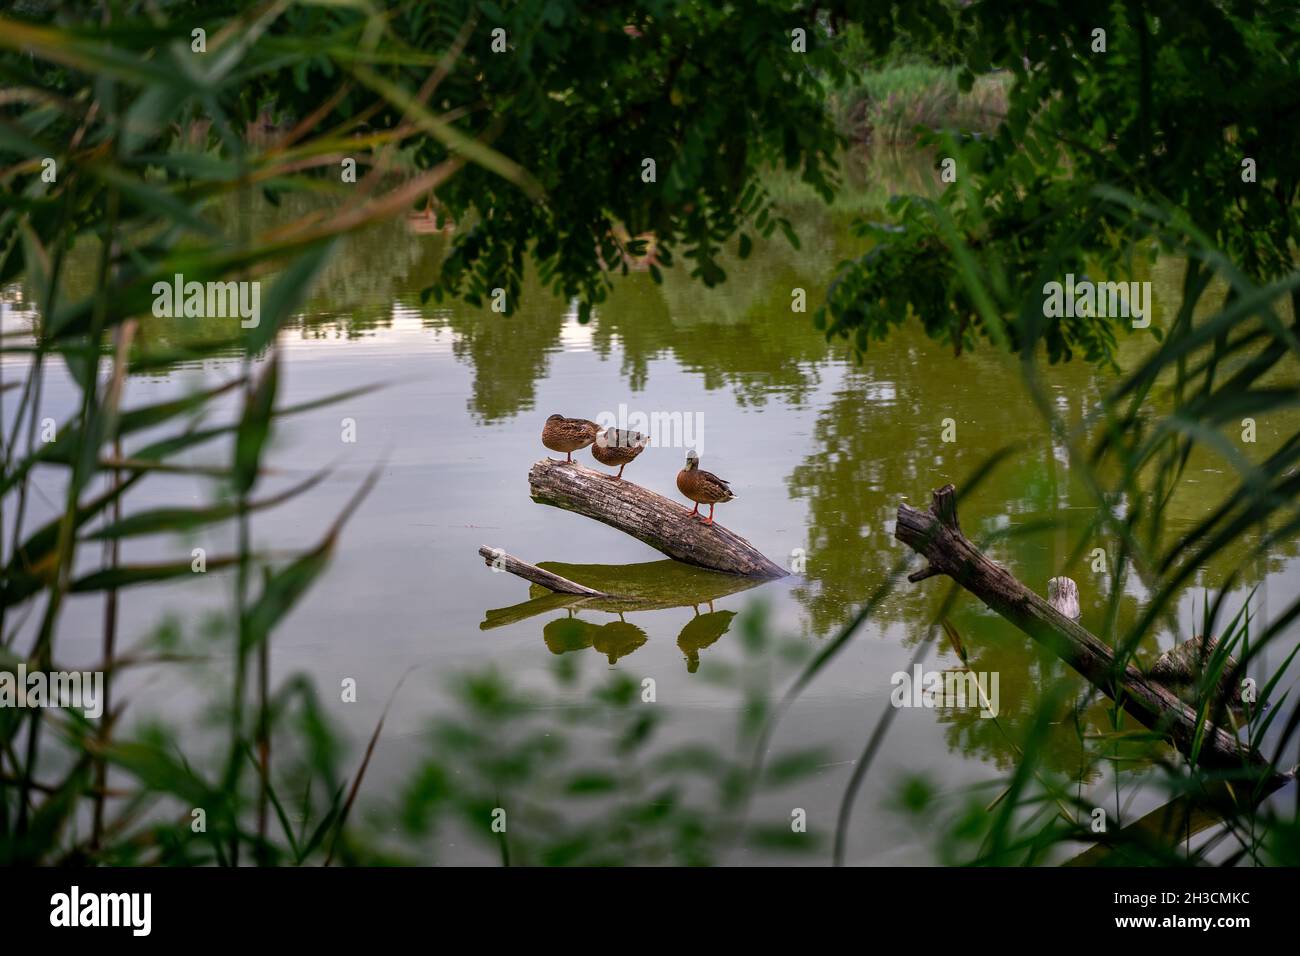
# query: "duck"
{"type": "Point", "coordinates": [616, 446]}
{"type": "Point", "coordinates": [568, 434]}
{"type": "Point", "coordinates": [1180, 670]}
{"type": "Point", "coordinates": [702, 487]}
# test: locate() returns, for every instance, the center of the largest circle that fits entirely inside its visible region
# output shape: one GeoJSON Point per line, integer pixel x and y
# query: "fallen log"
{"type": "Point", "coordinates": [937, 536]}
{"type": "Point", "coordinates": [497, 559]}
{"type": "Point", "coordinates": [663, 524]}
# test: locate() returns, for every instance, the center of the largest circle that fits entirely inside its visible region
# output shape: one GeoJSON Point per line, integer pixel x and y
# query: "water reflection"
{"type": "Point", "coordinates": [865, 436]}
{"type": "Point", "coordinates": [650, 586]}
{"type": "Point", "coordinates": [614, 639]}
{"type": "Point", "coordinates": [876, 439]}
{"type": "Point", "coordinates": [617, 639]}
{"type": "Point", "coordinates": [703, 630]}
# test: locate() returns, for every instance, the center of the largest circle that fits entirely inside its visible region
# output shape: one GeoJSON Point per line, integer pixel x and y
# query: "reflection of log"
{"type": "Point", "coordinates": [936, 535]}
{"type": "Point", "coordinates": [501, 616]}
{"type": "Point", "coordinates": [647, 586]}
{"type": "Point", "coordinates": [496, 558]}
{"type": "Point", "coordinates": [660, 523]}
{"type": "Point", "coordinates": [1170, 824]}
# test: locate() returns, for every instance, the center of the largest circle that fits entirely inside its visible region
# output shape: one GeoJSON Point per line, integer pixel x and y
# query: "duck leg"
{"type": "Point", "coordinates": [710, 520]}
{"type": "Point", "coordinates": [569, 457]}
{"type": "Point", "coordinates": [696, 510]}
{"type": "Point", "coordinates": [619, 476]}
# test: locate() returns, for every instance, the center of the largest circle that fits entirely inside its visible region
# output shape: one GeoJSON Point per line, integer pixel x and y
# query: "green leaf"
{"type": "Point", "coordinates": [160, 520]}
{"type": "Point", "coordinates": [288, 293]}
{"type": "Point", "coordinates": [126, 575]}
{"type": "Point", "coordinates": [255, 427]}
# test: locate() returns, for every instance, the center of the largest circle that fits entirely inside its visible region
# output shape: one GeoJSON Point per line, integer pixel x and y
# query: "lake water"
{"type": "Point", "coordinates": [820, 449]}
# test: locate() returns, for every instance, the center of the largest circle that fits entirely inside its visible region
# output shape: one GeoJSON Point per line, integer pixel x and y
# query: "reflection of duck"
{"type": "Point", "coordinates": [615, 446]}
{"type": "Point", "coordinates": [648, 586]}
{"type": "Point", "coordinates": [700, 632]}
{"type": "Point", "coordinates": [568, 434]}
{"type": "Point", "coordinates": [566, 634]}
{"type": "Point", "coordinates": [615, 639]}
{"type": "Point", "coordinates": [618, 639]}
{"type": "Point", "coordinates": [702, 487]}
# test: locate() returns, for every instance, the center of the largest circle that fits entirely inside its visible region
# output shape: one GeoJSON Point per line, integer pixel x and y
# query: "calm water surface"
{"type": "Point", "coordinates": [820, 449]}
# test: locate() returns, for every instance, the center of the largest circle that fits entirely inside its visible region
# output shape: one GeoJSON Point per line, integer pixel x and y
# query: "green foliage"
{"type": "Point", "coordinates": [889, 105]}
{"type": "Point", "coordinates": [582, 95]}
{"type": "Point", "coordinates": [1181, 96]}
{"type": "Point", "coordinates": [581, 774]}
{"type": "Point", "coordinates": [1103, 159]}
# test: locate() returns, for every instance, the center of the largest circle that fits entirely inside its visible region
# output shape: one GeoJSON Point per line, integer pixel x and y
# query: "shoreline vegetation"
{"type": "Point", "coordinates": [884, 107]}
{"type": "Point", "coordinates": [132, 154]}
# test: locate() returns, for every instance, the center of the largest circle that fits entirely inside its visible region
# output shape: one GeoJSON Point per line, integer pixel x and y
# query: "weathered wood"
{"type": "Point", "coordinates": [936, 535]}
{"type": "Point", "coordinates": [663, 524]}
{"type": "Point", "coordinates": [1063, 594]}
{"type": "Point", "coordinates": [496, 558]}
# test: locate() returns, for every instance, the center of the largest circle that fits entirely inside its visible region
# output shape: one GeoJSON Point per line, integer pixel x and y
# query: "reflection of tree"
{"type": "Point", "coordinates": [879, 440]}
{"type": "Point", "coordinates": [766, 351]}
{"type": "Point", "coordinates": [740, 335]}
{"type": "Point", "coordinates": [353, 294]}
{"type": "Point", "coordinates": [1023, 669]}
{"type": "Point", "coordinates": [508, 353]}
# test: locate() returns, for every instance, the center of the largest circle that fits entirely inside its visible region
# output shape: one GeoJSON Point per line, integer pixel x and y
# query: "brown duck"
{"type": "Point", "coordinates": [702, 487]}
{"type": "Point", "coordinates": [1181, 670]}
{"type": "Point", "coordinates": [568, 434]}
{"type": "Point", "coordinates": [616, 446]}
